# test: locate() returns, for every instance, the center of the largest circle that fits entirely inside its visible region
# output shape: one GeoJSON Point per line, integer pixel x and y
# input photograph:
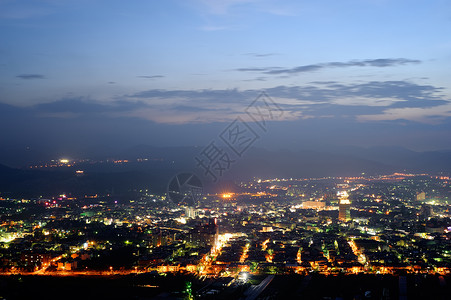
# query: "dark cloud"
{"type": "Point", "coordinates": [321, 99]}
{"type": "Point", "coordinates": [315, 100]}
{"type": "Point", "coordinates": [84, 107]}
{"type": "Point", "coordinates": [30, 76]}
{"type": "Point", "coordinates": [186, 108]}
{"type": "Point", "coordinates": [256, 79]}
{"type": "Point", "coordinates": [402, 93]}
{"type": "Point", "coordinates": [300, 69]}
{"type": "Point", "coordinates": [394, 93]}
{"type": "Point", "coordinates": [388, 62]}
{"type": "Point", "coordinates": [323, 82]}
{"type": "Point", "coordinates": [150, 76]}
{"type": "Point", "coordinates": [380, 62]}
{"type": "Point", "coordinates": [212, 96]}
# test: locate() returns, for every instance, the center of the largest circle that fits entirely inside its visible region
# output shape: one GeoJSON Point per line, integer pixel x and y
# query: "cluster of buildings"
{"type": "Point", "coordinates": [379, 225]}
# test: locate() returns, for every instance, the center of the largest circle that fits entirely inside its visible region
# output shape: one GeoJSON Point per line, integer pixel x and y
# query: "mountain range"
{"type": "Point", "coordinates": [165, 162]}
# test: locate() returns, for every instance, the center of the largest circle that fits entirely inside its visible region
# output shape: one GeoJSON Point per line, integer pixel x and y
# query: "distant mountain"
{"type": "Point", "coordinates": [33, 183]}
{"type": "Point", "coordinates": [4, 168]}
{"type": "Point", "coordinates": [153, 152]}
{"type": "Point", "coordinates": [165, 162]}
{"type": "Point", "coordinates": [328, 161]}
{"type": "Point", "coordinates": [402, 158]}
{"type": "Point", "coordinates": [260, 163]}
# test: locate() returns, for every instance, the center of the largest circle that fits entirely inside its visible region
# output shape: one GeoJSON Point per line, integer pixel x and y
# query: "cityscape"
{"type": "Point", "coordinates": [234, 242]}
{"type": "Point", "coordinates": [225, 149]}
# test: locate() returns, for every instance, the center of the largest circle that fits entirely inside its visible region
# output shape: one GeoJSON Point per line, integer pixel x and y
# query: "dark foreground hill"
{"type": "Point", "coordinates": [173, 286]}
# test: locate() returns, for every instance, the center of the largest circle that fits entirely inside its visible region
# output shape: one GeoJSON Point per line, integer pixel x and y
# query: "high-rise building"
{"type": "Point", "coordinates": [191, 212]}
{"type": "Point", "coordinates": [344, 207]}
{"type": "Point", "coordinates": [421, 196]}
{"type": "Point", "coordinates": [344, 210]}
{"type": "Point", "coordinates": [425, 212]}
{"type": "Point", "coordinates": [205, 235]}
{"type": "Point", "coordinates": [161, 238]}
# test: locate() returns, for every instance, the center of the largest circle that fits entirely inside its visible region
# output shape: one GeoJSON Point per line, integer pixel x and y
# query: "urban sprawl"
{"type": "Point", "coordinates": [360, 225]}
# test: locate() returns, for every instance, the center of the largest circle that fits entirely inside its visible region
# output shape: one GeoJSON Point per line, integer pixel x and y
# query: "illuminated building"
{"type": "Point", "coordinates": [267, 229]}
{"type": "Point", "coordinates": [421, 196]}
{"type": "Point", "coordinates": [35, 259]}
{"type": "Point", "coordinates": [344, 210]}
{"type": "Point", "coordinates": [161, 238]}
{"type": "Point", "coordinates": [344, 207]}
{"type": "Point", "coordinates": [314, 205]}
{"type": "Point", "coordinates": [205, 235]}
{"type": "Point", "coordinates": [191, 212]}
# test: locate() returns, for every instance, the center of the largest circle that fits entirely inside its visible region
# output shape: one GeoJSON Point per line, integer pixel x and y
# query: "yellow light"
{"type": "Point", "coordinates": [227, 195]}
{"type": "Point", "coordinates": [64, 161]}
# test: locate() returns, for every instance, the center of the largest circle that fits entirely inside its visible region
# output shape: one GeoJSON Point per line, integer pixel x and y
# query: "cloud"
{"type": "Point", "coordinates": [260, 78]}
{"type": "Point", "coordinates": [429, 115]}
{"type": "Point", "coordinates": [403, 93]}
{"type": "Point", "coordinates": [198, 96]}
{"type": "Point", "coordinates": [315, 99]}
{"type": "Point", "coordinates": [365, 102]}
{"type": "Point", "coordinates": [256, 69]}
{"type": "Point", "coordinates": [388, 62]}
{"type": "Point", "coordinates": [30, 76]}
{"type": "Point", "coordinates": [380, 63]}
{"type": "Point", "coordinates": [150, 76]}
{"type": "Point", "coordinates": [83, 107]}
{"type": "Point", "coordinates": [410, 92]}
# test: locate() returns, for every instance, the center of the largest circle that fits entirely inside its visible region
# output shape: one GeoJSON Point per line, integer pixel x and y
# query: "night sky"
{"type": "Point", "coordinates": [78, 74]}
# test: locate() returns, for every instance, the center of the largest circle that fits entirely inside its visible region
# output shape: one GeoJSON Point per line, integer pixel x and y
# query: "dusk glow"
{"type": "Point", "coordinates": [225, 149]}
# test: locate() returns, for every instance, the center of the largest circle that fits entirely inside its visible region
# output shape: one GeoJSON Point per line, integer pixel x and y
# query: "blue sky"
{"type": "Point", "coordinates": [371, 63]}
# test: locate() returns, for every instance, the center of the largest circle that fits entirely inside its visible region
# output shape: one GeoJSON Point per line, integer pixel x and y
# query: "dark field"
{"type": "Point", "coordinates": [149, 286]}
